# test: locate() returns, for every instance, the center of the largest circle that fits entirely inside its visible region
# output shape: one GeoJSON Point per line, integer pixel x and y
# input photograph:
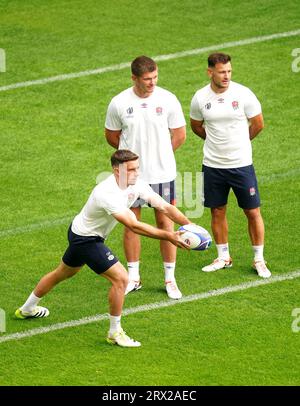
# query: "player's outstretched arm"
{"type": "Point", "coordinates": [128, 219]}
{"type": "Point", "coordinates": [168, 209]}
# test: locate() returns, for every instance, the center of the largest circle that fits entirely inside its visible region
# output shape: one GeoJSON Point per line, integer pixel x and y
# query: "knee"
{"type": "Point", "coordinates": [122, 281]}
{"type": "Point", "coordinates": [253, 214]}
{"type": "Point", "coordinates": [218, 213]}
{"type": "Point", "coordinates": [165, 224]}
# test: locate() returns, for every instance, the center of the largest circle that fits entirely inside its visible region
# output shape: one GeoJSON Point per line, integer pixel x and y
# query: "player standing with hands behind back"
{"type": "Point", "coordinates": [149, 121]}
{"type": "Point", "coordinates": [228, 116]}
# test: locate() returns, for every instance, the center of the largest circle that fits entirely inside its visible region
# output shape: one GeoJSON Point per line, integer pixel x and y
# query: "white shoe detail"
{"type": "Point", "coordinates": [218, 264]}
{"type": "Point", "coordinates": [122, 339]}
{"type": "Point", "coordinates": [172, 290]}
{"type": "Point", "coordinates": [37, 312]}
{"type": "Point", "coordinates": [133, 286]}
{"type": "Point", "coordinates": [261, 269]}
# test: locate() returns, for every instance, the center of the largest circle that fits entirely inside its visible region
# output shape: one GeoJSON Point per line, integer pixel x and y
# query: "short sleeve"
{"type": "Point", "coordinates": [112, 121]}
{"type": "Point", "coordinates": [195, 112]}
{"type": "Point", "coordinates": [145, 191]}
{"type": "Point", "coordinates": [111, 204]}
{"type": "Point", "coordinates": [252, 106]}
{"type": "Point", "coordinates": [176, 117]}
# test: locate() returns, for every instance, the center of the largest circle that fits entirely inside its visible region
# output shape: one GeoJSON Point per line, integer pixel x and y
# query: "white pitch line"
{"type": "Point", "coordinates": [152, 306]}
{"type": "Point", "coordinates": [35, 226]}
{"type": "Point", "coordinates": [176, 55]}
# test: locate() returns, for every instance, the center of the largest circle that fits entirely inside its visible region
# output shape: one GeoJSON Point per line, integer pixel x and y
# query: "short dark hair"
{"type": "Point", "coordinates": [142, 64]}
{"type": "Point", "coordinates": [121, 156]}
{"type": "Point", "coordinates": [217, 57]}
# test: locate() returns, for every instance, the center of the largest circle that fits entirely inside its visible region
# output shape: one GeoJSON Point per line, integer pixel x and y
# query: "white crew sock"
{"type": "Point", "coordinates": [115, 324]}
{"type": "Point", "coordinates": [133, 270]}
{"type": "Point", "coordinates": [169, 268]}
{"type": "Point", "coordinates": [258, 252]}
{"type": "Point", "coordinates": [30, 303]}
{"type": "Point", "coordinates": [223, 251]}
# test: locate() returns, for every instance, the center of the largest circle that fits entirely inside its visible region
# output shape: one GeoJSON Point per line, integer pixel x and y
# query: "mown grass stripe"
{"type": "Point", "coordinates": [125, 65]}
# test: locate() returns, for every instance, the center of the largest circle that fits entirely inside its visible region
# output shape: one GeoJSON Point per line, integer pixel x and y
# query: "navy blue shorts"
{"type": "Point", "coordinates": [165, 190]}
{"type": "Point", "coordinates": [90, 251]}
{"type": "Point", "coordinates": [217, 184]}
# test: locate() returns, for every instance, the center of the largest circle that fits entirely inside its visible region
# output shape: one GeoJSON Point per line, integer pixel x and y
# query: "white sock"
{"type": "Point", "coordinates": [258, 252]}
{"type": "Point", "coordinates": [169, 268]}
{"type": "Point", "coordinates": [115, 324]}
{"type": "Point", "coordinates": [133, 270]}
{"type": "Point", "coordinates": [223, 251]}
{"type": "Point", "coordinates": [30, 303]}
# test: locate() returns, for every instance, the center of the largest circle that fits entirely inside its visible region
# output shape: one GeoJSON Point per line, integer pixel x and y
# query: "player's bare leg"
{"type": "Point", "coordinates": [168, 253]}
{"type": "Point", "coordinates": [219, 228]}
{"type": "Point", "coordinates": [132, 248]}
{"type": "Point", "coordinates": [256, 230]}
{"type": "Point", "coordinates": [256, 226]}
{"type": "Point", "coordinates": [50, 280]}
{"type": "Point", "coordinates": [30, 308]}
{"type": "Point", "coordinates": [219, 224]}
{"type": "Point", "coordinates": [118, 277]}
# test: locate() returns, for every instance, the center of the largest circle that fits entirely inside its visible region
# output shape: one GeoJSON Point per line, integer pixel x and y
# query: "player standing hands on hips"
{"type": "Point", "coordinates": [149, 121]}
{"type": "Point", "coordinates": [228, 116]}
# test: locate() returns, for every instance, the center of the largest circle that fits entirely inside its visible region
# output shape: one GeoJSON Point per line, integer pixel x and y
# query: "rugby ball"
{"type": "Point", "coordinates": [196, 237]}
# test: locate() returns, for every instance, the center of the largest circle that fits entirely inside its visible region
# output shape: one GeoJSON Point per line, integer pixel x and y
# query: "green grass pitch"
{"type": "Point", "coordinates": [53, 148]}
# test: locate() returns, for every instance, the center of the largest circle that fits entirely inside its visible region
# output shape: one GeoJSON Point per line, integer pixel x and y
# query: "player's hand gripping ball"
{"type": "Point", "coordinates": [196, 237]}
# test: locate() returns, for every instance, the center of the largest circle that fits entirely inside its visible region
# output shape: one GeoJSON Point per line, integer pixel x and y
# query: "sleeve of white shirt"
{"type": "Point", "coordinates": [252, 106]}
{"type": "Point", "coordinates": [195, 112]}
{"type": "Point", "coordinates": [148, 194]}
{"type": "Point", "coordinates": [112, 121]}
{"type": "Point", "coordinates": [176, 117]}
{"type": "Point", "coordinates": [111, 204]}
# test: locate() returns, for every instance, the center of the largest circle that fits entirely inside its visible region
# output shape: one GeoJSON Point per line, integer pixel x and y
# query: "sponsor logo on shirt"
{"type": "Point", "coordinates": [208, 106]}
{"type": "Point", "coordinates": [235, 105]}
{"type": "Point", "coordinates": [159, 111]}
{"type": "Point", "coordinates": [144, 105]}
{"type": "Point", "coordinates": [221, 100]}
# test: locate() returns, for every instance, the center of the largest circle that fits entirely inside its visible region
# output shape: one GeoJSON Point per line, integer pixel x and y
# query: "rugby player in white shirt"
{"type": "Point", "coordinates": [149, 121]}
{"type": "Point", "coordinates": [107, 205]}
{"type": "Point", "coordinates": [228, 116]}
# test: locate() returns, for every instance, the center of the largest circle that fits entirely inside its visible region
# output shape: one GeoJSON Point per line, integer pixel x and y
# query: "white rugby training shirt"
{"type": "Point", "coordinates": [145, 124]}
{"type": "Point", "coordinates": [225, 115]}
{"type": "Point", "coordinates": [95, 218]}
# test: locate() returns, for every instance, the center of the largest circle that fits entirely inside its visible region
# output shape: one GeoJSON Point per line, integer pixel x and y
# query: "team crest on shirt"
{"type": "Point", "coordinates": [159, 111]}
{"type": "Point", "coordinates": [208, 106]}
{"type": "Point", "coordinates": [252, 191]}
{"type": "Point", "coordinates": [235, 105]}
